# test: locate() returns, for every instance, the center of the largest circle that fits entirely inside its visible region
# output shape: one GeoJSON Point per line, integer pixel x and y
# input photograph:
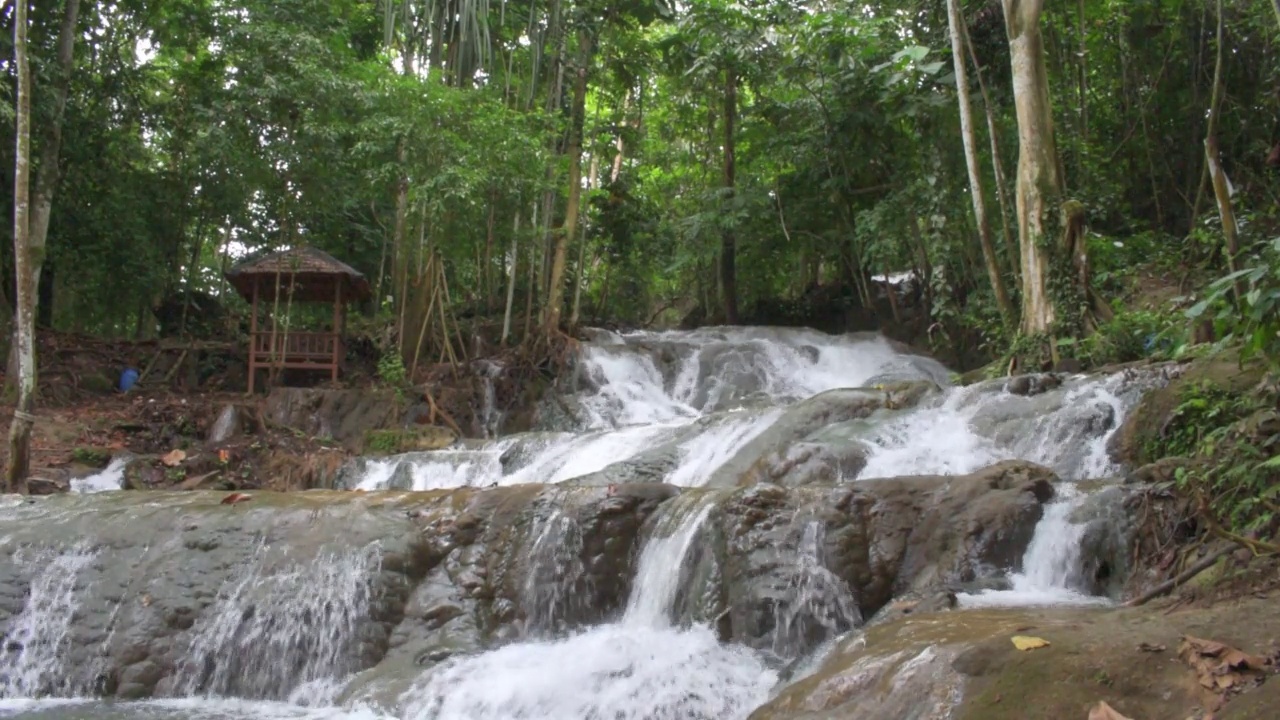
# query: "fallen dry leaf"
{"type": "Point", "coordinates": [1027, 642]}
{"type": "Point", "coordinates": [236, 498]}
{"type": "Point", "coordinates": [173, 457]}
{"type": "Point", "coordinates": [1219, 666]}
{"type": "Point", "coordinates": [1103, 711]}
{"type": "Point", "coordinates": [1151, 647]}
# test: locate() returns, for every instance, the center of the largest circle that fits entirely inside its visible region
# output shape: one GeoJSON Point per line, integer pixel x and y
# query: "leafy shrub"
{"type": "Point", "coordinates": [1253, 322]}
{"type": "Point", "coordinates": [1129, 336]}
{"type": "Point", "coordinates": [391, 369]}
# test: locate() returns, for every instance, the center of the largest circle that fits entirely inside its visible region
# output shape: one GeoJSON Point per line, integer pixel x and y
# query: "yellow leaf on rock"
{"type": "Point", "coordinates": [1027, 642]}
{"type": "Point", "coordinates": [174, 457]}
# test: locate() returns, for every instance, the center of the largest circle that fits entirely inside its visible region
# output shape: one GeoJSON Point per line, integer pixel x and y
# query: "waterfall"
{"type": "Point", "coordinates": [1050, 572]}
{"type": "Point", "coordinates": [640, 668]}
{"type": "Point", "coordinates": [704, 394]}
{"type": "Point", "coordinates": [32, 645]}
{"type": "Point", "coordinates": [109, 478]}
{"type": "Point", "coordinates": [555, 568]}
{"type": "Point", "coordinates": [280, 628]}
{"type": "Point", "coordinates": [295, 614]}
{"type": "Point", "coordinates": [822, 606]}
{"type": "Point", "coordinates": [657, 578]}
{"type": "Point", "coordinates": [969, 428]}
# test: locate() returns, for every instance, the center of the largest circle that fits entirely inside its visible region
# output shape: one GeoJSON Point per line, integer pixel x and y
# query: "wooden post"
{"type": "Point", "coordinates": [337, 332]}
{"type": "Point", "coordinates": [253, 335]}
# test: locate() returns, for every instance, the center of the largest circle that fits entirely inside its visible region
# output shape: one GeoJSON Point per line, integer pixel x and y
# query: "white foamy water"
{"type": "Point", "coordinates": [641, 668]}
{"type": "Point", "coordinates": [645, 389]}
{"type": "Point", "coordinates": [281, 628]}
{"type": "Point", "coordinates": [33, 648]}
{"type": "Point", "coordinates": [1050, 566]}
{"type": "Point", "coordinates": [288, 634]}
{"type": "Point", "coordinates": [969, 428]}
{"type": "Point", "coordinates": [109, 478]}
{"type": "Point", "coordinates": [177, 709]}
{"type": "Point", "coordinates": [817, 597]}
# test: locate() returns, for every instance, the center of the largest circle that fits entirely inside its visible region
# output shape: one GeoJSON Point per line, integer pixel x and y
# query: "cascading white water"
{"type": "Point", "coordinates": [31, 649]}
{"type": "Point", "coordinates": [555, 566]}
{"type": "Point", "coordinates": [696, 400]}
{"type": "Point", "coordinates": [1051, 564]}
{"type": "Point", "coordinates": [973, 427]}
{"type": "Point", "coordinates": [641, 668]}
{"type": "Point", "coordinates": [818, 598]}
{"type": "Point", "coordinates": [647, 389]}
{"type": "Point", "coordinates": [282, 628]}
{"type": "Point", "coordinates": [1066, 429]}
{"type": "Point", "coordinates": [109, 478]}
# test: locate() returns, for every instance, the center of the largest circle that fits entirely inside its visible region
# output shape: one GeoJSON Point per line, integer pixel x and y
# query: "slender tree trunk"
{"type": "Point", "coordinates": [1275, 4]}
{"type": "Point", "coordinates": [47, 173]}
{"type": "Point", "coordinates": [971, 162]}
{"type": "Point", "coordinates": [555, 286]}
{"type": "Point", "coordinates": [997, 162]}
{"type": "Point", "coordinates": [487, 262]}
{"type": "Point", "coordinates": [1213, 161]}
{"type": "Point", "coordinates": [192, 273]}
{"type": "Point", "coordinates": [1039, 179]}
{"type": "Point", "coordinates": [514, 259]}
{"type": "Point", "coordinates": [728, 242]}
{"type": "Point", "coordinates": [400, 231]}
{"type": "Point", "coordinates": [24, 268]}
{"type": "Point", "coordinates": [593, 181]}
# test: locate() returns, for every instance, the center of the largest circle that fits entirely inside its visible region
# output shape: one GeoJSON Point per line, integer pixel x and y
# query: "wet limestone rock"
{"type": "Point", "coordinates": [879, 538]}
{"type": "Point", "coordinates": [764, 458]}
{"type": "Point", "coordinates": [1033, 384]}
{"type": "Point", "coordinates": [962, 666]}
{"type": "Point", "coordinates": [342, 415]}
{"type": "Point", "coordinates": [1134, 443]}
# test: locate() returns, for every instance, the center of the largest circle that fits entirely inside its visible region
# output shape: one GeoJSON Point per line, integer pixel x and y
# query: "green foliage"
{"type": "Point", "coordinates": [196, 131]}
{"type": "Point", "coordinates": [391, 370]}
{"type": "Point", "coordinates": [93, 457]}
{"type": "Point", "coordinates": [1234, 442]}
{"type": "Point", "coordinates": [1253, 322]}
{"type": "Point", "coordinates": [1204, 413]}
{"type": "Point", "coordinates": [382, 442]}
{"type": "Point", "coordinates": [1130, 335]}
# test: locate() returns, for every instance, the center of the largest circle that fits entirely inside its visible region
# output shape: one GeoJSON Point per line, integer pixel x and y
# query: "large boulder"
{"type": "Point", "coordinates": [342, 415]}
{"type": "Point", "coordinates": [963, 666]}
{"type": "Point", "coordinates": [177, 593]}
{"type": "Point", "coordinates": [770, 456]}
{"type": "Point", "coordinates": [781, 569]}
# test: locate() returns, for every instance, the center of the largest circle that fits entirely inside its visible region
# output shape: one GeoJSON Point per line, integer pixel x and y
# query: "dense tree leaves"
{"type": "Point", "coordinates": [197, 131]}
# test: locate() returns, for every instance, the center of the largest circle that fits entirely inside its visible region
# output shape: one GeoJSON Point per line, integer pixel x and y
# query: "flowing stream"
{"type": "Point", "coordinates": [283, 637]}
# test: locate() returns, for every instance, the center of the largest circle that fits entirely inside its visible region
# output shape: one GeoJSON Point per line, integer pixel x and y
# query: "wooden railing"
{"type": "Point", "coordinates": [294, 348]}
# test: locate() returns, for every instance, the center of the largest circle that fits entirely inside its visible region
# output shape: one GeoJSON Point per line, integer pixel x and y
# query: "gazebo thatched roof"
{"type": "Point", "coordinates": [314, 276]}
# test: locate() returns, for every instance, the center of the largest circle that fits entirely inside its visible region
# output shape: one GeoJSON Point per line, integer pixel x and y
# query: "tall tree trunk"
{"type": "Point", "coordinates": [1275, 4]}
{"type": "Point", "coordinates": [487, 262]}
{"type": "Point", "coordinates": [514, 259]}
{"type": "Point", "coordinates": [1213, 161]}
{"type": "Point", "coordinates": [555, 283]}
{"type": "Point", "coordinates": [971, 162]}
{"type": "Point", "coordinates": [593, 181]}
{"type": "Point", "coordinates": [997, 162]}
{"type": "Point", "coordinates": [1039, 179]}
{"type": "Point", "coordinates": [24, 268]}
{"type": "Point", "coordinates": [400, 231]}
{"type": "Point", "coordinates": [728, 243]}
{"type": "Point", "coordinates": [47, 173]}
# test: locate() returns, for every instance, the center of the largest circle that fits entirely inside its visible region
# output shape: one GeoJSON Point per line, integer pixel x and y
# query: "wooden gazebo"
{"type": "Point", "coordinates": [298, 275]}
